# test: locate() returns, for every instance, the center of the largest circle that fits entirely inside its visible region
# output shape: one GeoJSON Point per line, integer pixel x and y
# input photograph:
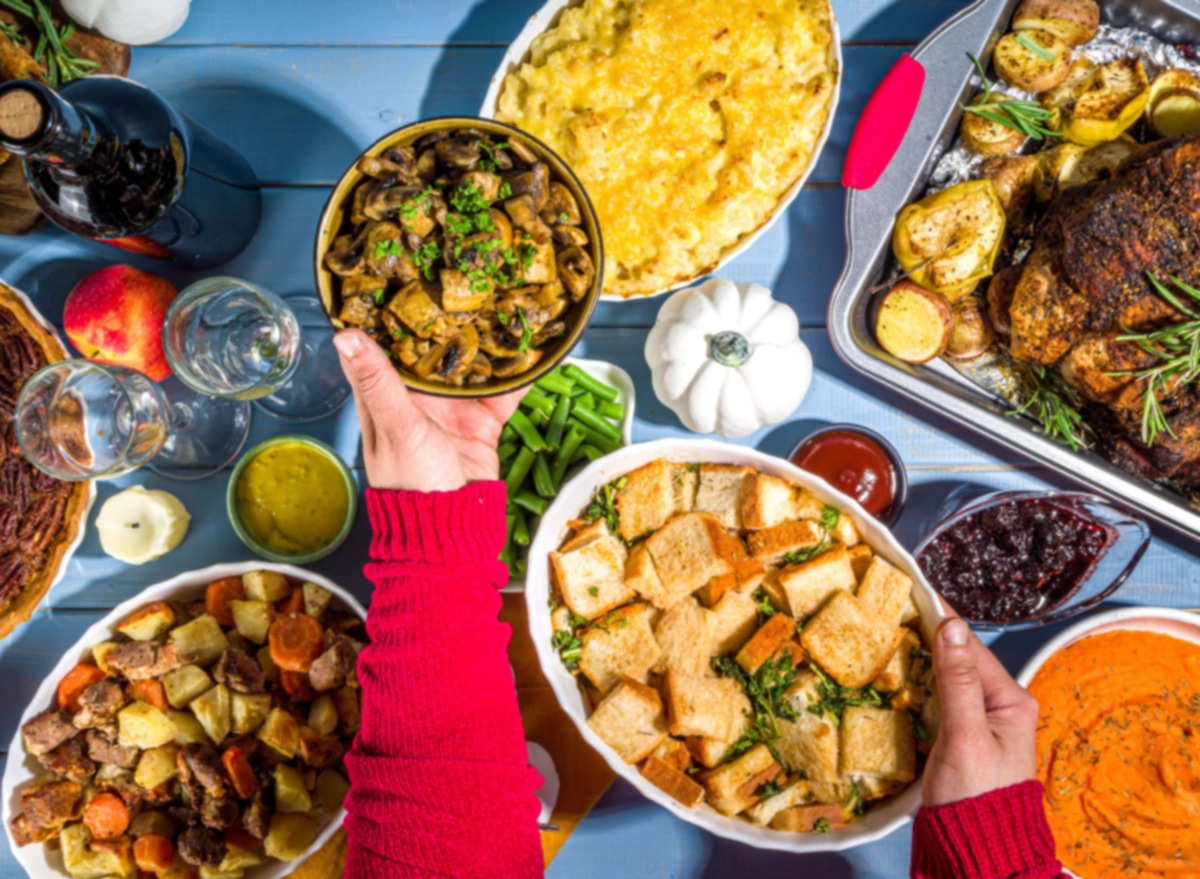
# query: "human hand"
{"type": "Point", "coordinates": [988, 722]}
{"type": "Point", "coordinates": [414, 441]}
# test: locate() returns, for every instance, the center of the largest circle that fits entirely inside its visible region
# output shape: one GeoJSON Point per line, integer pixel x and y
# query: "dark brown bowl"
{"type": "Point", "coordinates": [333, 217]}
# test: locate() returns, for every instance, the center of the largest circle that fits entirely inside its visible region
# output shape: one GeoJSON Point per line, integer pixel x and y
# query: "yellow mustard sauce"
{"type": "Point", "coordinates": [293, 498]}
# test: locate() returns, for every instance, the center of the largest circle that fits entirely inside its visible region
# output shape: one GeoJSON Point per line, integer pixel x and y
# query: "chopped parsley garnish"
{"type": "Point", "coordinates": [426, 256]}
{"type": "Point", "coordinates": [411, 207]}
{"type": "Point", "coordinates": [378, 296]}
{"type": "Point", "coordinates": [505, 190]}
{"type": "Point", "coordinates": [919, 730]}
{"type": "Point", "coordinates": [770, 789]}
{"type": "Point", "coordinates": [527, 253]}
{"type": "Point", "coordinates": [602, 506]}
{"type": "Point", "coordinates": [822, 826]}
{"type": "Point", "coordinates": [488, 162]}
{"type": "Point", "coordinates": [390, 247]}
{"type": "Point", "coordinates": [563, 216]}
{"type": "Point", "coordinates": [481, 283]}
{"type": "Point", "coordinates": [830, 516]}
{"type": "Point", "coordinates": [457, 224]}
{"type": "Point", "coordinates": [855, 801]}
{"type": "Point", "coordinates": [527, 332]}
{"type": "Point", "coordinates": [569, 649]}
{"type": "Point", "coordinates": [502, 317]}
{"type": "Point", "coordinates": [593, 591]}
{"type": "Point", "coordinates": [833, 698]}
{"type": "Point", "coordinates": [803, 555]}
{"type": "Point", "coordinates": [575, 621]}
{"type": "Point", "coordinates": [400, 333]}
{"type": "Point", "coordinates": [468, 199]}
{"type": "Point", "coordinates": [765, 689]}
{"type": "Point", "coordinates": [766, 610]}
{"type": "Point", "coordinates": [484, 223]}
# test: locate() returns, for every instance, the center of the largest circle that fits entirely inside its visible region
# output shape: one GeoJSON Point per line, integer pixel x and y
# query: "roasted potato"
{"type": "Point", "coordinates": [147, 623]}
{"type": "Point", "coordinates": [281, 732]}
{"type": "Point", "coordinates": [322, 715]}
{"type": "Point", "coordinates": [290, 793]}
{"type": "Point", "coordinates": [289, 836]}
{"type": "Point", "coordinates": [1176, 113]}
{"type": "Point", "coordinates": [266, 585]}
{"type": "Point", "coordinates": [184, 684]}
{"type": "Point", "coordinates": [83, 861]}
{"type": "Point", "coordinates": [201, 641]}
{"type": "Point", "coordinates": [239, 859]}
{"type": "Point", "coordinates": [157, 766]}
{"type": "Point", "coordinates": [989, 138]}
{"type": "Point", "coordinates": [253, 619]}
{"type": "Point", "coordinates": [1013, 178]}
{"type": "Point", "coordinates": [1034, 60]}
{"type": "Point", "coordinates": [267, 664]}
{"type": "Point", "coordinates": [249, 710]}
{"type": "Point", "coordinates": [913, 325]}
{"type": "Point", "coordinates": [214, 711]}
{"type": "Point", "coordinates": [1101, 106]}
{"type": "Point", "coordinates": [100, 655]}
{"type": "Point", "coordinates": [188, 730]}
{"type": "Point", "coordinates": [331, 791]}
{"type": "Point", "coordinates": [349, 710]}
{"type": "Point", "coordinates": [972, 334]}
{"type": "Point", "coordinates": [141, 725]}
{"type": "Point", "coordinates": [1073, 21]}
{"type": "Point", "coordinates": [316, 599]}
{"type": "Point", "coordinates": [947, 242]}
{"type": "Point", "coordinates": [148, 822]}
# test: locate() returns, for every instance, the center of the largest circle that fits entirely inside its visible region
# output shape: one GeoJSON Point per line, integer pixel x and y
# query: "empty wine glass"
{"type": "Point", "coordinates": [79, 419]}
{"type": "Point", "coordinates": [231, 338]}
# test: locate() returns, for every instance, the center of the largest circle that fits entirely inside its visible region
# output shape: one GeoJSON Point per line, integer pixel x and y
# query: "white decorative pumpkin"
{"type": "Point", "coordinates": [136, 22]}
{"type": "Point", "coordinates": [728, 358]}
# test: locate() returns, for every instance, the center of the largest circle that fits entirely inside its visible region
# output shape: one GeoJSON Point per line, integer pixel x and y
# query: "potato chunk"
{"type": "Point", "coordinates": [141, 725]}
{"type": "Point", "coordinates": [214, 711]}
{"type": "Point", "coordinates": [316, 599]}
{"type": "Point", "coordinates": [253, 619]}
{"type": "Point", "coordinates": [281, 732]}
{"type": "Point", "coordinates": [147, 623]}
{"type": "Point", "coordinates": [248, 711]}
{"type": "Point", "coordinates": [184, 684]}
{"type": "Point", "coordinates": [290, 793]}
{"type": "Point", "coordinates": [266, 585]}
{"type": "Point", "coordinates": [157, 766]}
{"type": "Point", "coordinates": [290, 836]}
{"type": "Point", "coordinates": [201, 641]}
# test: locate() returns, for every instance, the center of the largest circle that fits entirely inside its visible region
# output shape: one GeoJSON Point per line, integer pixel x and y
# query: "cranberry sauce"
{"type": "Point", "coordinates": [1014, 561]}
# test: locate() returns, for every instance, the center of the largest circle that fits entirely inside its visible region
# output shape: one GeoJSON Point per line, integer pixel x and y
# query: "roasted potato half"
{"type": "Point", "coordinates": [914, 324]}
{"type": "Point", "coordinates": [1176, 112]}
{"type": "Point", "coordinates": [947, 242]}
{"type": "Point", "coordinates": [989, 138]}
{"type": "Point", "coordinates": [1105, 104]}
{"type": "Point", "coordinates": [1013, 178]}
{"type": "Point", "coordinates": [972, 334]}
{"type": "Point", "coordinates": [1033, 60]}
{"type": "Point", "coordinates": [1073, 21]}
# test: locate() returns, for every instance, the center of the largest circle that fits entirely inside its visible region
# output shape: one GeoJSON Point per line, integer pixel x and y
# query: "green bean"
{"type": "Point", "coordinates": [505, 466]}
{"type": "Point", "coordinates": [535, 399]}
{"type": "Point", "coordinates": [590, 419]}
{"type": "Point", "coordinates": [519, 470]}
{"type": "Point", "coordinates": [566, 454]}
{"type": "Point", "coordinates": [520, 566]}
{"type": "Point", "coordinates": [542, 483]}
{"type": "Point", "coordinates": [506, 451]}
{"type": "Point", "coordinates": [558, 421]}
{"type": "Point", "coordinates": [613, 410]}
{"type": "Point", "coordinates": [588, 451]}
{"type": "Point", "coordinates": [577, 392]}
{"type": "Point", "coordinates": [507, 434]}
{"type": "Point", "coordinates": [573, 472]}
{"type": "Point", "coordinates": [587, 401]}
{"type": "Point", "coordinates": [520, 529]}
{"type": "Point", "coordinates": [532, 502]}
{"type": "Point", "coordinates": [605, 444]}
{"type": "Point", "coordinates": [593, 384]}
{"type": "Point", "coordinates": [507, 552]}
{"type": "Point", "coordinates": [539, 418]}
{"type": "Point", "coordinates": [555, 383]}
{"type": "Point", "coordinates": [528, 433]}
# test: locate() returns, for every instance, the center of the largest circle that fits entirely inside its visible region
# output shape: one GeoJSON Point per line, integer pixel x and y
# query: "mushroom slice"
{"type": "Point", "coordinates": [485, 181]}
{"type": "Point", "coordinates": [491, 342]}
{"type": "Point", "coordinates": [346, 258]}
{"type": "Point", "coordinates": [549, 331]}
{"type": "Point", "coordinates": [358, 205]}
{"type": "Point", "coordinates": [562, 207]}
{"type": "Point", "coordinates": [459, 354]}
{"type": "Point", "coordinates": [510, 366]}
{"type": "Point", "coordinates": [460, 151]}
{"type": "Point", "coordinates": [552, 300]}
{"type": "Point", "coordinates": [385, 254]}
{"type": "Point", "coordinates": [524, 216]}
{"type": "Point", "coordinates": [577, 271]}
{"type": "Point", "coordinates": [521, 150]}
{"type": "Point", "coordinates": [503, 227]}
{"type": "Point", "coordinates": [481, 365]}
{"type": "Point", "coordinates": [413, 204]}
{"type": "Point", "coordinates": [428, 361]}
{"type": "Point", "coordinates": [427, 165]}
{"type": "Point", "coordinates": [569, 236]}
{"type": "Point", "coordinates": [396, 160]}
{"type": "Point", "coordinates": [535, 183]}
{"type": "Point", "coordinates": [430, 139]}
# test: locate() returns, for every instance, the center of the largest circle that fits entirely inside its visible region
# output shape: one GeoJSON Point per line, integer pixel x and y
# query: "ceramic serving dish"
{"type": "Point", "coordinates": [334, 214]}
{"type": "Point", "coordinates": [575, 495]}
{"type": "Point", "coordinates": [20, 769]}
{"type": "Point", "coordinates": [547, 17]}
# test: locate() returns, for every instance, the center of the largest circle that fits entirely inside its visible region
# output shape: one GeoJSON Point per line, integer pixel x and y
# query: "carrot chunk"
{"type": "Point", "coordinates": [218, 595]}
{"type": "Point", "coordinates": [74, 682]}
{"type": "Point", "coordinates": [150, 691]}
{"type": "Point", "coordinates": [107, 816]}
{"type": "Point", "coordinates": [296, 642]}
{"type": "Point", "coordinates": [153, 853]}
{"type": "Point", "coordinates": [240, 773]}
{"type": "Point", "coordinates": [294, 603]}
{"type": "Point", "coordinates": [297, 685]}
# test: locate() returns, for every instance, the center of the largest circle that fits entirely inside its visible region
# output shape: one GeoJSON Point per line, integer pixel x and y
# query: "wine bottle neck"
{"type": "Point", "coordinates": [36, 123]}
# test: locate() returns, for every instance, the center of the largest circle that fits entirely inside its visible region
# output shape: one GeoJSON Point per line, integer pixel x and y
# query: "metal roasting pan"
{"type": "Point", "coordinates": [870, 215]}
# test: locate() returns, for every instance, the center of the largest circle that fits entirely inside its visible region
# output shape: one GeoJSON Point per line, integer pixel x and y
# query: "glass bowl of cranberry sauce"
{"type": "Point", "coordinates": [1015, 560]}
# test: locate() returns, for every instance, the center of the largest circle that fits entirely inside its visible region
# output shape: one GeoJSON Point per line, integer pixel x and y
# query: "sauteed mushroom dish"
{"type": "Point", "coordinates": [462, 256]}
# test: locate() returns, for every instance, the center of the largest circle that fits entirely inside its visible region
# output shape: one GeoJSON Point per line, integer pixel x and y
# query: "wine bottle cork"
{"type": "Point", "coordinates": [21, 114]}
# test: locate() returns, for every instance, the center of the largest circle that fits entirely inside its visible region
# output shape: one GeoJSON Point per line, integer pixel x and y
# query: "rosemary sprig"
{"type": "Point", "coordinates": [1045, 400]}
{"type": "Point", "coordinates": [1027, 117]}
{"type": "Point", "coordinates": [1027, 41]}
{"type": "Point", "coordinates": [62, 65]}
{"type": "Point", "coordinates": [1177, 348]}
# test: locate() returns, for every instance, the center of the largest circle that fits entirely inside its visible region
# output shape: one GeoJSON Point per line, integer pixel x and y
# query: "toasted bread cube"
{"type": "Point", "coordinates": [685, 635]}
{"type": "Point", "coordinates": [583, 533]}
{"type": "Point", "coordinates": [896, 673]}
{"type": "Point", "coordinates": [769, 638]}
{"type": "Point", "coordinates": [736, 786]}
{"type": "Point", "coordinates": [809, 584]}
{"type": "Point", "coordinates": [642, 577]}
{"type": "Point", "coordinates": [860, 559]}
{"type": "Point", "coordinates": [848, 641]}
{"type": "Point", "coordinates": [265, 585]}
{"type": "Point", "coordinates": [722, 487]}
{"type": "Point", "coordinates": [630, 720]}
{"type": "Point", "coordinates": [872, 788]}
{"type": "Point", "coordinates": [712, 752]}
{"type": "Point", "coordinates": [592, 578]}
{"type": "Point", "coordinates": [673, 782]}
{"type": "Point", "coordinates": [618, 645]}
{"type": "Point", "coordinates": [845, 532]}
{"type": "Point", "coordinates": [687, 483]}
{"type": "Point", "coordinates": [700, 706]}
{"type": "Point", "coordinates": [733, 622]}
{"type": "Point", "coordinates": [802, 692]}
{"type": "Point", "coordinates": [809, 506]}
{"type": "Point", "coordinates": [201, 641]}
{"type": "Point", "coordinates": [685, 556]}
{"type": "Point", "coordinates": [879, 742]}
{"type": "Point", "coordinates": [885, 591]}
{"type": "Point", "coordinates": [147, 623]}
{"type": "Point", "coordinates": [792, 650]}
{"type": "Point", "coordinates": [809, 746]}
{"type": "Point", "coordinates": [747, 572]}
{"type": "Point", "coordinates": [770, 545]}
{"type": "Point", "coordinates": [911, 613]}
{"type": "Point", "coordinates": [648, 499]}
{"type": "Point", "coordinates": [769, 501]}
{"type": "Point", "coordinates": [804, 819]}
{"type": "Point", "coordinates": [674, 753]}
{"type": "Point", "coordinates": [797, 793]}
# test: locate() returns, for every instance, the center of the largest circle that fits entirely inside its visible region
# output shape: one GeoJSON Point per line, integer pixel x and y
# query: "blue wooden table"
{"type": "Point", "coordinates": [299, 87]}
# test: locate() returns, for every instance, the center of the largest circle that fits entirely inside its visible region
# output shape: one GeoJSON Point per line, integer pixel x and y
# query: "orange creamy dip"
{"type": "Point", "coordinates": [1119, 754]}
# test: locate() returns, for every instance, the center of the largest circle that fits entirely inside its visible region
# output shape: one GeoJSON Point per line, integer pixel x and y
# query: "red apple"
{"type": "Point", "coordinates": [117, 315]}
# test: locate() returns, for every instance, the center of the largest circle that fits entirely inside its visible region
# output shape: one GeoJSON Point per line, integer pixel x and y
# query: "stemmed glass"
{"type": "Point", "coordinates": [79, 419]}
{"type": "Point", "coordinates": [230, 338]}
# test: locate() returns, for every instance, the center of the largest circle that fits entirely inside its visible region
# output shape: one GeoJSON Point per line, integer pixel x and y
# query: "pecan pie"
{"type": "Point", "coordinates": [40, 516]}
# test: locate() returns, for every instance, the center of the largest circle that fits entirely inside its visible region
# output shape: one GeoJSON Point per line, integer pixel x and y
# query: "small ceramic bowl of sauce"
{"type": "Point", "coordinates": [858, 462]}
{"type": "Point", "coordinates": [292, 499]}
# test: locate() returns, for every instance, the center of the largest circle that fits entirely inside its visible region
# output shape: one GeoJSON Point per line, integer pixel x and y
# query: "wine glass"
{"type": "Point", "coordinates": [79, 419]}
{"type": "Point", "coordinates": [230, 338]}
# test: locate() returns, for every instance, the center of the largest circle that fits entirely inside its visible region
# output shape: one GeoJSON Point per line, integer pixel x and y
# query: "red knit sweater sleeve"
{"type": "Point", "coordinates": [999, 835]}
{"type": "Point", "coordinates": [440, 781]}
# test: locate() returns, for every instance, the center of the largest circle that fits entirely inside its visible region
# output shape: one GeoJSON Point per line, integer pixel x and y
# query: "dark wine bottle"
{"type": "Point", "coordinates": [108, 159]}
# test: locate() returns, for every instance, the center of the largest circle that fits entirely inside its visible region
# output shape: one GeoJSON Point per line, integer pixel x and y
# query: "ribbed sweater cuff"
{"type": "Point", "coordinates": [997, 835]}
{"type": "Point", "coordinates": [466, 525]}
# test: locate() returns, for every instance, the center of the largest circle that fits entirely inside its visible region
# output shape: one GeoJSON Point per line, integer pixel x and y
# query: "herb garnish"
{"type": "Point", "coordinates": [505, 190]}
{"type": "Point", "coordinates": [1027, 117]}
{"type": "Point", "coordinates": [527, 332]}
{"type": "Point", "coordinates": [468, 199]}
{"type": "Point", "coordinates": [502, 317]}
{"type": "Point", "coordinates": [809, 552]}
{"type": "Point", "coordinates": [822, 826]}
{"type": "Point", "coordinates": [379, 294]}
{"type": "Point", "coordinates": [427, 254]}
{"type": "Point", "coordinates": [488, 162]}
{"type": "Point", "coordinates": [770, 789]}
{"type": "Point", "coordinates": [602, 506]}
{"type": "Point", "coordinates": [62, 64]}
{"type": "Point", "coordinates": [1025, 40]}
{"type": "Point", "coordinates": [1046, 400]}
{"type": "Point", "coordinates": [855, 801]}
{"type": "Point", "coordinates": [766, 610]}
{"type": "Point", "coordinates": [388, 247]}
{"type": "Point", "coordinates": [833, 698]}
{"type": "Point", "coordinates": [765, 689]}
{"type": "Point", "coordinates": [457, 224]}
{"type": "Point", "coordinates": [593, 591]}
{"type": "Point", "coordinates": [411, 207]}
{"type": "Point", "coordinates": [830, 516]}
{"type": "Point", "coordinates": [569, 648]}
{"type": "Point", "coordinates": [918, 726]}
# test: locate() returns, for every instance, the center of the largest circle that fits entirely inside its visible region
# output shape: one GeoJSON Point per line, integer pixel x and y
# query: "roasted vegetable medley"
{"type": "Point", "coordinates": [462, 256]}
{"type": "Point", "coordinates": [208, 735]}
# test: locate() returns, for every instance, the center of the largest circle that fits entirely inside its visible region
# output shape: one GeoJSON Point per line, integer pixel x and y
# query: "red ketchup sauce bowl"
{"type": "Point", "coordinates": [859, 463]}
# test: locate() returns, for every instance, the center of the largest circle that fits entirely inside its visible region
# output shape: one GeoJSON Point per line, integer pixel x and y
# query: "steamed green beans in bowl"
{"type": "Point", "coordinates": [568, 419]}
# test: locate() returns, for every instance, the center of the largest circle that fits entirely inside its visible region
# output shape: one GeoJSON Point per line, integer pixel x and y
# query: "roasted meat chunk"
{"type": "Point", "coordinates": [239, 672]}
{"type": "Point", "coordinates": [103, 747]}
{"type": "Point", "coordinates": [142, 660]}
{"type": "Point", "coordinates": [99, 704]}
{"type": "Point", "coordinates": [69, 761]}
{"type": "Point", "coordinates": [47, 731]}
{"type": "Point", "coordinates": [200, 764]}
{"type": "Point", "coordinates": [51, 804]}
{"type": "Point", "coordinates": [201, 846]}
{"type": "Point", "coordinates": [335, 667]}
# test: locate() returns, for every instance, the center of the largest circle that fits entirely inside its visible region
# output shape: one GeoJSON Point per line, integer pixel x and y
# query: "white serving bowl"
{"type": "Point", "coordinates": [185, 587]}
{"type": "Point", "coordinates": [547, 16]}
{"type": "Point", "coordinates": [880, 821]}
